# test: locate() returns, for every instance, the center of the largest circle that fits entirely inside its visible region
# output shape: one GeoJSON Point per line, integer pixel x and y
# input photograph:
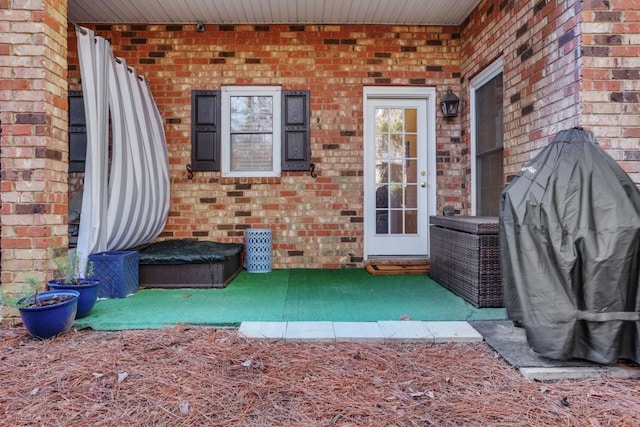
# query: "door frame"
{"type": "Point", "coordinates": [370, 94]}
{"type": "Point", "coordinates": [476, 83]}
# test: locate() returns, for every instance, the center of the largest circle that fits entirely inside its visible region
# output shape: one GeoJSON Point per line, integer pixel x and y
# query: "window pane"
{"type": "Point", "coordinates": [396, 120]}
{"type": "Point", "coordinates": [411, 196]}
{"type": "Point", "coordinates": [382, 221]}
{"type": "Point", "coordinates": [395, 196]}
{"type": "Point", "coordinates": [411, 120]}
{"type": "Point", "coordinates": [411, 222]}
{"type": "Point", "coordinates": [490, 183]}
{"type": "Point", "coordinates": [382, 147]}
{"type": "Point", "coordinates": [489, 143]}
{"type": "Point", "coordinates": [411, 172]}
{"type": "Point", "coordinates": [397, 172]}
{"type": "Point", "coordinates": [489, 115]}
{"type": "Point", "coordinates": [411, 146]}
{"type": "Point", "coordinates": [396, 221]}
{"type": "Point", "coordinates": [382, 186]}
{"type": "Point", "coordinates": [382, 120]}
{"type": "Point", "coordinates": [397, 148]}
{"type": "Point", "coordinates": [251, 114]}
{"type": "Point", "coordinates": [251, 152]}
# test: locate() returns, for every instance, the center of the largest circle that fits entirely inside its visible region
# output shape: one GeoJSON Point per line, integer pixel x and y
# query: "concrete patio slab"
{"type": "Point", "coordinates": [391, 331]}
{"type": "Point", "coordinates": [453, 332]}
{"type": "Point", "coordinates": [406, 331]}
{"type": "Point", "coordinates": [511, 343]}
{"type": "Point", "coordinates": [358, 331]}
{"type": "Point", "coordinates": [263, 330]}
{"type": "Point", "coordinates": [578, 373]}
{"type": "Point", "coordinates": [310, 331]}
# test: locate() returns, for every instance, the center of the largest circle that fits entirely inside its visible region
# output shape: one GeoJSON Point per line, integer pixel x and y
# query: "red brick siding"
{"type": "Point", "coordinates": [611, 78]}
{"type": "Point", "coordinates": [566, 64]}
{"type": "Point", "coordinates": [538, 41]}
{"type": "Point", "coordinates": [316, 222]}
{"type": "Point", "coordinates": [33, 69]}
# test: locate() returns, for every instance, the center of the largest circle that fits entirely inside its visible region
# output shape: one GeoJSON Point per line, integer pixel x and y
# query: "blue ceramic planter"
{"type": "Point", "coordinates": [88, 289]}
{"type": "Point", "coordinates": [51, 320]}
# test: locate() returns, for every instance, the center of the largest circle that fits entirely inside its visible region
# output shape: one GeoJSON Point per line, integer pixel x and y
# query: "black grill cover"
{"type": "Point", "coordinates": [570, 248]}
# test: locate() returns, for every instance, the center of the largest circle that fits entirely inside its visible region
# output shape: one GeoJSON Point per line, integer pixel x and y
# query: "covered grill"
{"type": "Point", "coordinates": [570, 249]}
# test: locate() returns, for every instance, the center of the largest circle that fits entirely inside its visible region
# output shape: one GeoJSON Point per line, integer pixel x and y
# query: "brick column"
{"type": "Point", "coordinates": [611, 78]}
{"type": "Point", "coordinates": [539, 44]}
{"type": "Point", "coordinates": [34, 147]}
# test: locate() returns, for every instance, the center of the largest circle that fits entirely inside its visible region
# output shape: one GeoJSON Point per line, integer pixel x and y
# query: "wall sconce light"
{"type": "Point", "coordinates": [450, 104]}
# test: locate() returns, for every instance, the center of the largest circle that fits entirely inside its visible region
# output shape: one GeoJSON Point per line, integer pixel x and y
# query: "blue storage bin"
{"type": "Point", "coordinates": [258, 250]}
{"type": "Point", "coordinates": [117, 272]}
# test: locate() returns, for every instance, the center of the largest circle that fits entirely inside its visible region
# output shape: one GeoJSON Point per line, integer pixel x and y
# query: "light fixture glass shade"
{"type": "Point", "coordinates": [450, 104]}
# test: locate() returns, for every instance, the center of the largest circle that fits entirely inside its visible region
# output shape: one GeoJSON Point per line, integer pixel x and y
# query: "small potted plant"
{"type": "Point", "coordinates": [69, 278]}
{"type": "Point", "coordinates": [45, 314]}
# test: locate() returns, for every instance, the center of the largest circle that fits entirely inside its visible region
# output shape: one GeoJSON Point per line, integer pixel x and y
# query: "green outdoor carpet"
{"type": "Point", "coordinates": [349, 295]}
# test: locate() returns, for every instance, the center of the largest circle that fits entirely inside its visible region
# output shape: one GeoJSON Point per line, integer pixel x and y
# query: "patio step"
{"type": "Point", "coordinates": [393, 331]}
{"type": "Point", "coordinates": [398, 265]}
{"type": "Point", "coordinates": [397, 260]}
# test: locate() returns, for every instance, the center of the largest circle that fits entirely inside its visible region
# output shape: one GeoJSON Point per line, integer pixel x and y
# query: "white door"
{"type": "Point", "coordinates": [399, 176]}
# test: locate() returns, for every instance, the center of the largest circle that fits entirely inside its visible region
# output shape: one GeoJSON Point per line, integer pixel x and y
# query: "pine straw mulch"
{"type": "Point", "coordinates": [203, 376]}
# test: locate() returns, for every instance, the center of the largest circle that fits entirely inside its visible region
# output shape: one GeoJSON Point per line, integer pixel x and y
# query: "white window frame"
{"type": "Point", "coordinates": [225, 128]}
{"type": "Point", "coordinates": [477, 82]}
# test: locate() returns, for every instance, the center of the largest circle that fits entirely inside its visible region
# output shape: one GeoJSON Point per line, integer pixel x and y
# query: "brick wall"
{"type": "Point", "coordinates": [611, 78]}
{"type": "Point", "coordinates": [316, 222]}
{"type": "Point", "coordinates": [33, 74]}
{"type": "Point", "coordinates": [539, 44]}
{"type": "Point", "coordinates": [566, 63]}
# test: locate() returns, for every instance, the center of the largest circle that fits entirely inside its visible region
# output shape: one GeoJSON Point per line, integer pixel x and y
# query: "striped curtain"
{"type": "Point", "coordinates": [128, 206]}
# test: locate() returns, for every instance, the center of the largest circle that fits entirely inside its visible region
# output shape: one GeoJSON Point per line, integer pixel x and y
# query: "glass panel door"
{"type": "Point", "coordinates": [396, 177]}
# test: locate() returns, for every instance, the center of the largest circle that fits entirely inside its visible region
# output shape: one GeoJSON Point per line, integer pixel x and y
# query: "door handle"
{"type": "Point", "coordinates": [423, 184]}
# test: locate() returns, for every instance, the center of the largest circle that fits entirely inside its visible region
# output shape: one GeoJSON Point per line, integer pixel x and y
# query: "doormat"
{"type": "Point", "coordinates": [398, 269]}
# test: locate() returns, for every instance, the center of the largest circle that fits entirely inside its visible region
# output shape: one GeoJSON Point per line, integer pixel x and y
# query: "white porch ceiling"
{"type": "Point", "coordinates": [400, 12]}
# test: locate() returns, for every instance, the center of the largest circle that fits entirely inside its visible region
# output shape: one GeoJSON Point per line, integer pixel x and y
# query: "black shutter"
{"type": "Point", "coordinates": [77, 132]}
{"type": "Point", "coordinates": [205, 130]}
{"type": "Point", "coordinates": [296, 145]}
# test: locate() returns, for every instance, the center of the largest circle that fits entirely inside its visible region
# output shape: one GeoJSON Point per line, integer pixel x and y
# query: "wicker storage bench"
{"type": "Point", "coordinates": [185, 263]}
{"type": "Point", "coordinates": [465, 258]}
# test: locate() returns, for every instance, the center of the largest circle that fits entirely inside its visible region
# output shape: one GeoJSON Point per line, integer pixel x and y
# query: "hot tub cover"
{"type": "Point", "coordinates": [185, 251]}
{"type": "Point", "coordinates": [570, 248]}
